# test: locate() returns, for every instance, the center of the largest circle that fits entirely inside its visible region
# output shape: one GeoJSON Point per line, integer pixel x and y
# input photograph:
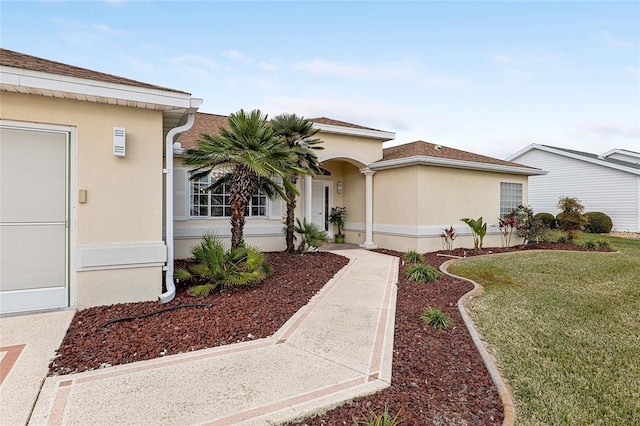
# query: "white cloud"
{"type": "Point", "coordinates": [606, 130]}
{"type": "Point", "coordinates": [193, 60]}
{"type": "Point", "coordinates": [381, 71]}
{"type": "Point", "coordinates": [105, 29]}
{"type": "Point", "coordinates": [237, 56]}
{"type": "Point", "coordinates": [504, 59]}
{"type": "Point", "coordinates": [631, 69]}
{"type": "Point", "coordinates": [267, 67]}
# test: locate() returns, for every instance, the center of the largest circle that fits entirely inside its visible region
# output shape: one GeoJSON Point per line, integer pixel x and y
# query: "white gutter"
{"type": "Point", "coordinates": [168, 212]}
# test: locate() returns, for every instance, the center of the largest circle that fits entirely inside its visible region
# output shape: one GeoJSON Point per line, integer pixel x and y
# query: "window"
{"type": "Point", "coordinates": [510, 197]}
{"type": "Point", "coordinates": [218, 204]}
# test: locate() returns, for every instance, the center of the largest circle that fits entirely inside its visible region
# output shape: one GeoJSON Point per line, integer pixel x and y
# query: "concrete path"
{"type": "Point", "coordinates": [336, 348]}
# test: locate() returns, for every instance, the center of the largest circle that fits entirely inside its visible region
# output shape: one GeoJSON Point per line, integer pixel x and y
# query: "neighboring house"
{"type": "Point", "coordinates": [608, 183]}
{"type": "Point", "coordinates": [87, 164]}
{"type": "Point", "coordinates": [81, 215]}
{"type": "Point", "coordinates": [397, 198]}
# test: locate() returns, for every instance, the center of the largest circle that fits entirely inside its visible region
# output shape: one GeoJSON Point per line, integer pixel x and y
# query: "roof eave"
{"type": "Point", "coordinates": [458, 164]}
{"type": "Point", "coordinates": [352, 131]}
{"type": "Point", "coordinates": [574, 156]}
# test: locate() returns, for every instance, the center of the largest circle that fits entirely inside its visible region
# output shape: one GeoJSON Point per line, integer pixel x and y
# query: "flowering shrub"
{"type": "Point", "coordinates": [448, 235]}
{"type": "Point", "coordinates": [506, 226]}
{"type": "Point", "coordinates": [527, 226]}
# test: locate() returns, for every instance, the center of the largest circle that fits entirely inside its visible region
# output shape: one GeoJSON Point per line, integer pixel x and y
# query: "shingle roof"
{"type": "Point", "coordinates": [204, 123]}
{"type": "Point", "coordinates": [211, 123]}
{"type": "Point", "coordinates": [426, 149]}
{"type": "Point", "coordinates": [598, 157]}
{"type": "Point", "coordinates": [332, 122]}
{"type": "Point", "coordinates": [9, 58]}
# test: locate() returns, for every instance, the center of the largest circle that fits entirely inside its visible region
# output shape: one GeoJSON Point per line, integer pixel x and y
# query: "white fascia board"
{"type": "Point", "coordinates": [512, 157]}
{"type": "Point", "coordinates": [581, 158]}
{"type": "Point", "coordinates": [622, 152]}
{"type": "Point", "coordinates": [54, 82]}
{"type": "Point", "coordinates": [458, 164]}
{"type": "Point", "coordinates": [352, 131]}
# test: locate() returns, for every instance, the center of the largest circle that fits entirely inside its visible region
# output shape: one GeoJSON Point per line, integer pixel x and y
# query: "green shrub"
{"type": "Point", "coordinates": [311, 237]}
{"type": "Point", "coordinates": [562, 239]}
{"type": "Point", "coordinates": [435, 318]}
{"type": "Point", "coordinates": [422, 273]}
{"type": "Point", "coordinates": [548, 219]}
{"type": "Point", "coordinates": [412, 256]}
{"type": "Point", "coordinates": [214, 265]}
{"type": "Point", "coordinates": [599, 223]}
{"type": "Point", "coordinates": [478, 231]}
{"type": "Point", "coordinates": [383, 419]}
{"type": "Point", "coordinates": [527, 225]}
{"type": "Point", "coordinates": [604, 244]}
{"type": "Point", "coordinates": [590, 245]}
{"type": "Point", "coordinates": [571, 217]}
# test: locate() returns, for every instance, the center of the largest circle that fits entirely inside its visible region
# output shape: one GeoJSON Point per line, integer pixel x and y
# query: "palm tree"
{"type": "Point", "coordinates": [297, 135]}
{"type": "Point", "coordinates": [252, 156]}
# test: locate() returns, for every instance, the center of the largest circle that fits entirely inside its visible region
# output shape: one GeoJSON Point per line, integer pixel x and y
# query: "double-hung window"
{"type": "Point", "coordinates": [217, 203]}
{"type": "Point", "coordinates": [510, 197]}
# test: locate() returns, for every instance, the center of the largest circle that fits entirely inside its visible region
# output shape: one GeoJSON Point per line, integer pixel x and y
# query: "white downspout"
{"type": "Point", "coordinates": [168, 212]}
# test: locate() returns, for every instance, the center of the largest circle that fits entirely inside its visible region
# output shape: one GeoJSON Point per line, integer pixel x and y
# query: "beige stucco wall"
{"type": "Point", "coordinates": [364, 150]}
{"type": "Point", "coordinates": [413, 204]}
{"type": "Point", "coordinates": [124, 194]}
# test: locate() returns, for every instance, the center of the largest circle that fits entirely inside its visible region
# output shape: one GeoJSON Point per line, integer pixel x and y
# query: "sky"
{"type": "Point", "coordinates": [486, 77]}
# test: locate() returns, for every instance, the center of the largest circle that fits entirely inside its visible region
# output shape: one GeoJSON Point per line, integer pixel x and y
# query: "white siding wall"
{"type": "Point", "coordinates": [600, 188]}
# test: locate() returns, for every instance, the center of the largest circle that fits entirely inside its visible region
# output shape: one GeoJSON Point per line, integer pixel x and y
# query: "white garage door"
{"type": "Point", "coordinates": [33, 220]}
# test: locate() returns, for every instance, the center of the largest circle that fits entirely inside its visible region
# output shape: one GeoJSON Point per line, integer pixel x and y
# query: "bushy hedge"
{"type": "Point", "coordinates": [599, 223]}
{"type": "Point", "coordinates": [548, 219]}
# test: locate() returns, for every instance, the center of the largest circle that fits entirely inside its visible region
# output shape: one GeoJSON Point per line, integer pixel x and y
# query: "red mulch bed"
{"type": "Point", "coordinates": [438, 376]}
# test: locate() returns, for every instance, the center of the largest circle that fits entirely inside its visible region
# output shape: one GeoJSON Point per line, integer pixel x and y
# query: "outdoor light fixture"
{"type": "Point", "coordinates": [339, 187]}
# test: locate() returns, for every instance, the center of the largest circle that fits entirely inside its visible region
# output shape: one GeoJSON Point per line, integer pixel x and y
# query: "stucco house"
{"type": "Point", "coordinates": [400, 198]}
{"type": "Point", "coordinates": [95, 202]}
{"type": "Point", "coordinates": [608, 183]}
{"type": "Point", "coordinates": [81, 184]}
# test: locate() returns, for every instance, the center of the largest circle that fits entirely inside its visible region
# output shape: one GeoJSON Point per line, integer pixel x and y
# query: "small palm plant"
{"type": "Point", "coordinates": [311, 237]}
{"type": "Point", "coordinates": [422, 273]}
{"type": "Point", "coordinates": [435, 318]}
{"type": "Point", "coordinates": [214, 265]}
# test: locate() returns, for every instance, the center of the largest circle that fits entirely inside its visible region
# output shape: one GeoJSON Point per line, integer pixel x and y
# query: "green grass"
{"type": "Point", "coordinates": [565, 328]}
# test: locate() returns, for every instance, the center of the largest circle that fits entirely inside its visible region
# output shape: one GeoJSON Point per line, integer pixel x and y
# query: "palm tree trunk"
{"type": "Point", "coordinates": [291, 206]}
{"type": "Point", "coordinates": [237, 224]}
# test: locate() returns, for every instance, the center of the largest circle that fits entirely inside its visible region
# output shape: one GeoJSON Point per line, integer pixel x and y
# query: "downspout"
{"type": "Point", "coordinates": [168, 295]}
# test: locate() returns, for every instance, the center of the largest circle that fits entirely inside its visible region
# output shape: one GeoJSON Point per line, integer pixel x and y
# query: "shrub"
{"type": "Point", "coordinates": [527, 226]}
{"type": "Point", "coordinates": [412, 256]}
{"type": "Point", "coordinates": [506, 227]}
{"type": "Point", "coordinates": [383, 419]}
{"type": "Point", "coordinates": [590, 245]}
{"type": "Point", "coordinates": [604, 244]}
{"type": "Point", "coordinates": [448, 235]}
{"type": "Point", "coordinates": [338, 217]}
{"type": "Point", "coordinates": [571, 217]}
{"type": "Point", "coordinates": [548, 219]}
{"type": "Point", "coordinates": [214, 265]}
{"type": "Point", "coordinates": [422, 273]}
{"type": "Point", "coordinates": [311, 237]}
{"type": "Point", "coordinates": [562, 239]}
{"type": "Point", "coordinates": [435, 318]}
{"type": "Point", "coordinates": [478, 229]}
{"type": "Point", "coordinates": [599, 223]}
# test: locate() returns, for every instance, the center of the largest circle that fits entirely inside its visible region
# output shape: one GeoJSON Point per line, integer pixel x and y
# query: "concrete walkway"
{"type": "Point", "coordinates": [336, 348]}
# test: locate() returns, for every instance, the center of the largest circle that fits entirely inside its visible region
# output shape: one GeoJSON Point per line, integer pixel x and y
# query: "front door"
{"type": "Point", "coordinates": [321, 204]}
{"type": "Point", "coordinates": [34, 221]}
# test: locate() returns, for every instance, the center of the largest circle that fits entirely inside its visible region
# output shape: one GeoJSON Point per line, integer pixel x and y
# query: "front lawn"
{"type": "Point", "coordinates": [565, 328]}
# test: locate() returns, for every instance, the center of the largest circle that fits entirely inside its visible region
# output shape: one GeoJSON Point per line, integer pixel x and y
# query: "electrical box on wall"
{"type": "Point", "coordinates": [119, 141]}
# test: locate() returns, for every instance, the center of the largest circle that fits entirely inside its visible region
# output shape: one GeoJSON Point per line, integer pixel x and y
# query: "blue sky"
{"type": "Point", "coordinates": [487, 77]}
